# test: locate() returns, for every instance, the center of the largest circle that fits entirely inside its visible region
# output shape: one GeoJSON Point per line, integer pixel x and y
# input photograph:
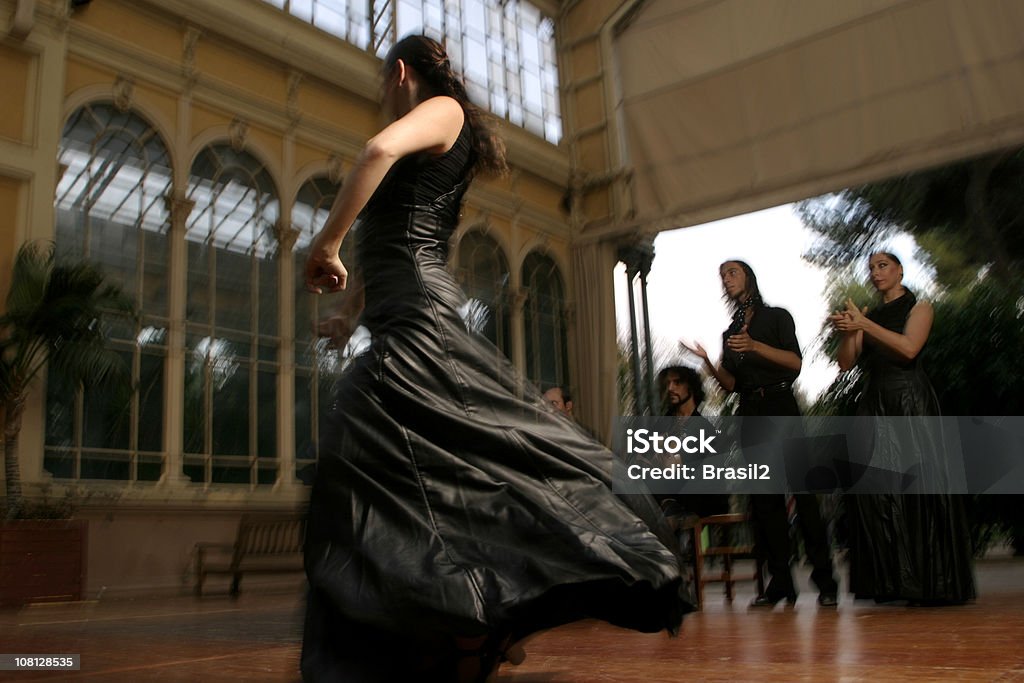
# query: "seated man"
{"type": "Point", "coordinates": [560, 400]}
{"type": "Point", "coordinates": [682, 393]}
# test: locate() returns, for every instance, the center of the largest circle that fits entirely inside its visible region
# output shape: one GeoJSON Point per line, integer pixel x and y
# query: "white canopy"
{"type": "Point", "coordinates": [727, 106]}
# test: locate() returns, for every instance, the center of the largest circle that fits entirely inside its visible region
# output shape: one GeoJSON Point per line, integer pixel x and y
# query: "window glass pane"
{"type": "Point", "coordinates": [230, 379]}
{"type": "Point", "coordinates": [149, 468]}
{"type": "Point", "coordinates": [546, 345]}
{"type": "Point", "coordinates": [195, 403]}
{"type": "Point", "coordinates": [267, 277]}
{"type": "Point", "coordinates": [433, 17]}
{"type": "Point", "coordinates": [304, 446]}
{"type": "Point", "coordinates": [303, 9]}
{"type": "Point", "coordinates": [232, 312]}
{"type": "Point", "coordinates": [232, 300]}
{"type": "Point", "coordinates": [312, 205]}
{"type": "Point", "coordinates": [111, 209]}
{"type": "Point", "coordinates": [194, 469]}
{"type": "Point", "coordinates": [489, 41]}
{"type": "Point", "coordinates": [99, 465]}
{"type": "Point", "coordinates": [317, 362]}
{"type": "Point", "coordinates": [410, 17]}
{"type": "Point", "coordinates": [266, 473]}
{"type": "Point", "coordinates": [266, 403]}
{"type": "Point", "coordinates": [151, 402]}
{"type": "Point", "coordinates": [231, 471]}
{"type": "Point", "coordinates": [197, 306]}
{"type": "Point", "coordinates": [60, 412]}
{"type": "Point", "coordinates": [330, 17]}
{"type": "Point", "coordinates": [107, 413]}
{"type": "Point", "coordinates": [154, 275]}
{"type": "Point", "coordinates": [485, 277]}
{"type": "Point", "coordinates": [60, 463]}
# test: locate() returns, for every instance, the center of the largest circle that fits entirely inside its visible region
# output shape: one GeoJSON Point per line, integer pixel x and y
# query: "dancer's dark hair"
{"type": "Point", "coordinates": [430, 61]}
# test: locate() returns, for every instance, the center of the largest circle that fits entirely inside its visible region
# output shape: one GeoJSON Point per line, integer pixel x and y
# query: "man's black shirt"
{"type": "Point", "coordinates": [771, 326]}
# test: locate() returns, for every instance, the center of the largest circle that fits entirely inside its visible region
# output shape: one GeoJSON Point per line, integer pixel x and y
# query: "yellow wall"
{"type": "Point", "coordinates": [15, 79]}
{"type": "Point", "coordinates": [205, 118]}
{"type": "Point", "coordinates": [334, 107]}
{"type": "Point", "coordinates": [217, 60]}
{"type": "Point", "coordinates": [127, 23]}
{"type": "Point", "coordinates": [10, 208]}
{"type": "Point", "coordinates": [585, 72]}
{"type": "Point", "coordinates": [82, 74]}
{"type": "Point", "coordinates": [539, 193]}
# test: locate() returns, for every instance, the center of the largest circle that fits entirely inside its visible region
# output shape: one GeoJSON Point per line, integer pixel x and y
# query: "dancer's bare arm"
{"type": "Point", "coordinates": [431, 126]}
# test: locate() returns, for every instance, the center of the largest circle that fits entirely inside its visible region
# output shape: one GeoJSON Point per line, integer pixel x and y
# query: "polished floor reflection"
{"type": "Point", "coordinates": [257, 638]}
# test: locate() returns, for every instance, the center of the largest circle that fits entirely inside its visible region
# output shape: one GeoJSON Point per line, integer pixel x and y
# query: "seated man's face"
{"type": "Point", "coordinates": [677, 391]}
{"type": "Point", "coordinates": [557, 402]}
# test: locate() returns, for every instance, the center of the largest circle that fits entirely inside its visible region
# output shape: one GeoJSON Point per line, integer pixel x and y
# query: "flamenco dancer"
{"type": "Point", "coordinates": [450, 517]}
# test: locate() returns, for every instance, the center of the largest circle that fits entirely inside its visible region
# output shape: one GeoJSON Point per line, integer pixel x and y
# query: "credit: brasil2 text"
{"type": "Point", "coordinates": [707, 472]}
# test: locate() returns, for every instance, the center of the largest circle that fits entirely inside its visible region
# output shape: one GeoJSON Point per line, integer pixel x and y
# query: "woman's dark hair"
{"type": "Point", "coordinates": [887, 254]}
{"type": "Point", "coordinates": [429, 59]}
{"type": "Point", "coordinates": [752, 288]}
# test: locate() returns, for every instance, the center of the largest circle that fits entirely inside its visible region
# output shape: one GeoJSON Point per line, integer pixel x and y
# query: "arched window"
{"type": "Point", "coordinates": [110, 210]}
{"type": "Point", "coordinates": [505, 49]}
{"type": "Point", "coordinates": [484, 272]}
{"type": "Point", "coordinates": [317, 364]}
{"type": "Point", "coordinates": [547, 356]}
{"type": "Point", "coordinates": [231, 331]}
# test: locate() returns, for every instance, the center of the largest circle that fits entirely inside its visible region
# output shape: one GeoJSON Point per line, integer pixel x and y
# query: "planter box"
{"type": "Point", "coordinates": [42, 561]}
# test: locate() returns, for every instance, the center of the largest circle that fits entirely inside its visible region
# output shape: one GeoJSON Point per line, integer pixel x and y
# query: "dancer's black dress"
{"type": "Point", "coordinates": [904, 547]}
{"type": "Point", "coordinates": [448, 502]}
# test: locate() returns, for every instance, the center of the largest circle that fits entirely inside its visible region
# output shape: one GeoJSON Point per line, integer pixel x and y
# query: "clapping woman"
{"type": "Point", "coordinates": [902, 547]}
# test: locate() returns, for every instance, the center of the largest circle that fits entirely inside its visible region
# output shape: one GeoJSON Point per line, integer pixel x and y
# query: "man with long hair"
{"type": "Point", "coordinates": [760, 361]}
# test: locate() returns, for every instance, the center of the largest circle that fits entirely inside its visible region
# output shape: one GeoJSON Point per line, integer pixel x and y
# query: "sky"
{"type": "Point", "coordinates": [685, 293]}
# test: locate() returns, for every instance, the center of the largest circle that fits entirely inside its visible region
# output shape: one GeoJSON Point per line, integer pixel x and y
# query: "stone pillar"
{"type": "Point", "coordinates": [639, 396]}
{"type": "Point", "coordinates": [517, 334]}
{"type": "Point", "coordinates": [596, 354]}
{"type": "Point", "coordinates": [638, 257]}
{"type": "Point", "coordinates": [645, 269]}
{"type": "Point", "coordinates": [179, 207]}
{"type": "Point", "coordinates": [287, 235]}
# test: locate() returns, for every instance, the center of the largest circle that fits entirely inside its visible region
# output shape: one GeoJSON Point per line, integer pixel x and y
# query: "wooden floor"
{"type": "Point", "coordinates": [257, 638]}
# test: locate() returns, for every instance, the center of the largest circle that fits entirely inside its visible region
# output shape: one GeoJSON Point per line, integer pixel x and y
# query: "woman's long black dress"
{"type": "Point", "coordinates": [904, 546]}
{"type": "Point", "coordinates": [448, 502]}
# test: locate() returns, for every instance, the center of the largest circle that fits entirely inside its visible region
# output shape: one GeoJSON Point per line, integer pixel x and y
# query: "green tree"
{"type": "Point", "coordinates": [966, 216]}
{"type": "Point", "coordinates": [968, 222]}
{"type": "Point", "coordinates": [53, 316]}
{"type": "Point", "coordinates": [840, 397]}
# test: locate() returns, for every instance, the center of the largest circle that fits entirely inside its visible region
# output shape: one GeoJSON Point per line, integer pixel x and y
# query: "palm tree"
{"type": "Point", "coordinates": [52, 317]}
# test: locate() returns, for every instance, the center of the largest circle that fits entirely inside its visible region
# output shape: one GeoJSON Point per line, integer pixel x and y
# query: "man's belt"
{"type": "Point", "coordinates": [758, 393]}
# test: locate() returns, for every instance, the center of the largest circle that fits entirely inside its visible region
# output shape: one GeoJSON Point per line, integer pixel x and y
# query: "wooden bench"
{"type": "Point", "coordinates": [266, 543]}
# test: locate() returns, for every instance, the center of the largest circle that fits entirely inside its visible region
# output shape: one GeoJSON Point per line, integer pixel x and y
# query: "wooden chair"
{"type": "Point", "coordinates": [728, 553]}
